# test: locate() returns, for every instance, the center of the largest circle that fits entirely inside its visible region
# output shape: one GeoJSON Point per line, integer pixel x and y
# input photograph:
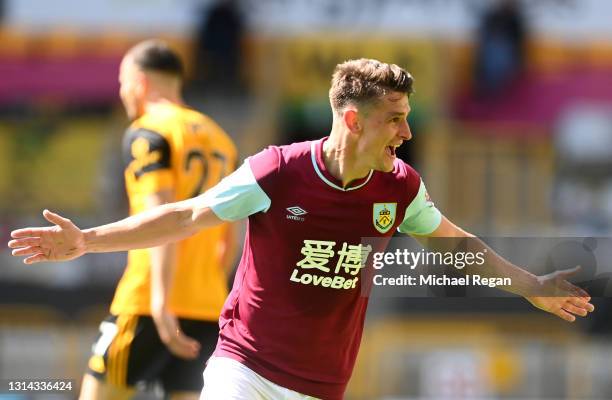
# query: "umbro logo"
{"type": "Point", "coordinates": [295, 210]}
{"type": "Point", "coordinates": [296, 213]}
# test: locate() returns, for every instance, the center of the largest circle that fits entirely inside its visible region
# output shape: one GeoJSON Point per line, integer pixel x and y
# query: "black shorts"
{"type": "Point", "coordinates": [128, 352]}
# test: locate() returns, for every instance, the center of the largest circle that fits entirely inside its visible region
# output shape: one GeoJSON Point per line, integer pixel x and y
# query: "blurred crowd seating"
{"type": "Point", "coordinates": [67, 66]}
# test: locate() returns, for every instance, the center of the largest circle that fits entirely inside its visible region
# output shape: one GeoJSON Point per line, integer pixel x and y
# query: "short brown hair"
{"type": "Point", "coordinates": [360, 81]}
{"type": "Point", "coordinates": [156, 55]}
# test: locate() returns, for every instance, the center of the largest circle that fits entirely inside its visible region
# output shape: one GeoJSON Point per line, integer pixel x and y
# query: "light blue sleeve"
{"type": "Point", "coordinates": [237, 196]}
{"type": "Point", "coordinates": [421, 217]}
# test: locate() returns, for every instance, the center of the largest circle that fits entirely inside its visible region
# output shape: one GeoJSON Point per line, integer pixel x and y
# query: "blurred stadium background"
{"type": "Point", "coordinates": [512, 123]}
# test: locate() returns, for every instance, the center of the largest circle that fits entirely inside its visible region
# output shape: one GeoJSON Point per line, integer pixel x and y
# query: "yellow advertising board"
{"type": "Point", "coordinates": [59, 167]}
{"type": "Point", "coordinates": [302, 66]}
{"type": "Point", "coordinates": [308, 62]}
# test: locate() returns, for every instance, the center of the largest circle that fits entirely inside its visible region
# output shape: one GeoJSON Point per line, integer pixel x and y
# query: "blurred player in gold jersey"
{"type": "Point", "coordinates": [163, 319]}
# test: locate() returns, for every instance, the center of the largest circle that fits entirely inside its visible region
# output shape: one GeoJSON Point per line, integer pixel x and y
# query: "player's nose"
{"type": "Point", "coordinates": [405, 132]}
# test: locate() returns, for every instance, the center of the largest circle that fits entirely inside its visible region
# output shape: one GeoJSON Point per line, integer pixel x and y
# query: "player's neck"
{"type": "Point", "coordinates": [163, 99]}
{"type": "Point", "coordinates": [340, 158]}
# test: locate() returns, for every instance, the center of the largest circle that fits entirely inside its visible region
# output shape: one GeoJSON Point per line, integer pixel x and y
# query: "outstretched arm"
{"type": "Point", "coordinates": [236, 197]}
{"type": "Point", "coordinates": [65, 241]}
{"type": "Point", "coordinates": [552, 293]}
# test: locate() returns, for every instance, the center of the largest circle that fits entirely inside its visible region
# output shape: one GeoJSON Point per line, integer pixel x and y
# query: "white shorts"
{"type": "Point", "coordinates": [227, 379]}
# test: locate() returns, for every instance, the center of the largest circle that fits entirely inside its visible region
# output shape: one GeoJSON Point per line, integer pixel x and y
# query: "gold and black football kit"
{"type": "Point", "coordinates": [173, 148]}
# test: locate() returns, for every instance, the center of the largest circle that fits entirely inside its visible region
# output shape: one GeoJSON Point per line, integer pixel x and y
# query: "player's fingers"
{"type": "Point", "coordinates": [575, 310]}
{"type": "Point", "coordinates": [183, 349]}
{"type": "Point", "coordinates": [57, 219]}
{"type": "Point", "coordinates": [27, 251]}
{"type": "Point", "coordinates": [565, 315]}
{"type": "Point", "coordinates": [36, 259]}
{"type": "Point", "coordinates": [581, 293]}
{"type": "Point", "coordinates": [180, 351]}
{"type": "Point", "coordinates": [187, 342]}
{"type": "Point", "coordinates": [27, 232]}
{"type": "Point", "coordinates": [193, 344]}
{"type": "Point", "coordinates": [574, 290]}
{"type": "Point", "coordinates": [29, 241]}
{"type": "Point", "coordinates": [584, 304]}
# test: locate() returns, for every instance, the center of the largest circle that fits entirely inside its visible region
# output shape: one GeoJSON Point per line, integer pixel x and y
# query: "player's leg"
{"type": "Point", "coordinates": [224, 378]}
{"type": "Point", "coordinates": [184, 396]}
{"type": "Point", "coordinates": [127, 351]}
{"type": "Point", "coordinates": [182, 379]}
{"type": "Point", "coordinates": [94, 389]}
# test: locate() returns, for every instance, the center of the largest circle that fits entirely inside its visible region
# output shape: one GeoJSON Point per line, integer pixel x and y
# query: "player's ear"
{"type": "Point", "coordinates": [351, 119]}
{"type": "Point", "coordinates": [142, 84]}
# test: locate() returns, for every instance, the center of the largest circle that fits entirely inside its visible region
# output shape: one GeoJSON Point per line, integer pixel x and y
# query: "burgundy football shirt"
{"type": "Point", "coordinates": [295, 314]}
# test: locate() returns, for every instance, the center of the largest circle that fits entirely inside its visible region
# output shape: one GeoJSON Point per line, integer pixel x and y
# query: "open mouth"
{"type": "Point", "coordinates": [390, 151]}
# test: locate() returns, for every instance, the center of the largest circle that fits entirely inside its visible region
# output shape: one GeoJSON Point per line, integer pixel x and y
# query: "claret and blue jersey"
{"type": "Point", "coordinates": [295, 313]}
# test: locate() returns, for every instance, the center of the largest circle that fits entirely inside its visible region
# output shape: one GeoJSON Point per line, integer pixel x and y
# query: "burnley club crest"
{"type": "Point", "coordinates": [383, 216]}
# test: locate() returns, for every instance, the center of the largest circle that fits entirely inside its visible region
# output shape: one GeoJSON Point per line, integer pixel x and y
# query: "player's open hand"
{"type": "Point", "coordinates": [172, 336]}
{"type": "Point", "coordinates": [63, 241]}
{"type": "Point", "coordinates": [560, 297]}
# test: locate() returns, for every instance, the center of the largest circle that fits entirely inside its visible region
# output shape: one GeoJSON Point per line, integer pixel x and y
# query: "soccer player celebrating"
{"type": "Point", "coordinates": [292, 323]}
{"type": "Point", "coordinates": [163, 318]}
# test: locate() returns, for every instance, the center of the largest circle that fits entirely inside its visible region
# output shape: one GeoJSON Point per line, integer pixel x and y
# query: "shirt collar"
{"type": "Point", "coordinates": [316, 152]}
